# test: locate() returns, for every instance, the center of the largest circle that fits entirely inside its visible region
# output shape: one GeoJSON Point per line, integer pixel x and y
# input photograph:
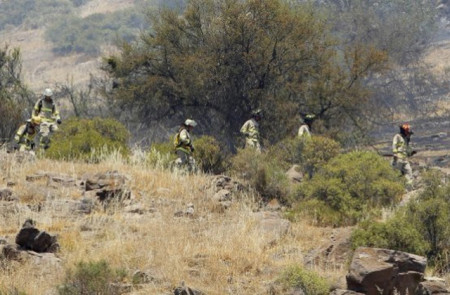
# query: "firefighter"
{"type": "Point", "coordinates": [46, 109]}
{"type": "Point", "coordinates": [250, 130]}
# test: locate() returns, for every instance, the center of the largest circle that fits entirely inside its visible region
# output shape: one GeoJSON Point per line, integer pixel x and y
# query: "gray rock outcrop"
{"type": "Point", "coordinates": [381, 271]}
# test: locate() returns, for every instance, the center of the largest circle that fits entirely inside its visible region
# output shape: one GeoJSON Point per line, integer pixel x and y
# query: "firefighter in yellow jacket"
{"type": "Point", "coordinates": [24, 138]}
{"type": "Point", "coordinates": [250, 130]}
{"type": "Point", "coordinates": [184, 147]}
{"type": "Point", "coordinates": [401, 151]}
{"type": "Point", "coordinates": [46, 109]}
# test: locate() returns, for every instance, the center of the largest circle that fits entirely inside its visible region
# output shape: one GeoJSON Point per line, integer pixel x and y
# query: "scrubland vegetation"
{"type": "Point", "coordinates": [215, 61]}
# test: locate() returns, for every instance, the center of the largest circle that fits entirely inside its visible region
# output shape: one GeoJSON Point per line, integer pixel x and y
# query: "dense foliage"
{"type": "Point", "coordinates": [349, 188]}
{"type": "Point", "coordinates": [220, 59]}
{"type": "Point", "coordinates": [88, 139]}
{"type": "Point", "coordinates": [306, 281]}
{"type": "Point", "coordinates": [14, 96]}
{"type": "Point", "coordinates": [421, 227]}
{"type": "Point", "coordinates": [263, 172]}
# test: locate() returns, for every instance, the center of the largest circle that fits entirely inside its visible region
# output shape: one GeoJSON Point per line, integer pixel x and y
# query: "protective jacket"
{"type": "Point", "coordinates": [400, 147]}
{"type": "Point", "coordinates": [25, 136]}
{"type": "Point", "coordinates": [183, 141]}
{"type": "Point", "coordinates": [303, 131]}
{"type": "Point", "coordinates": [46, 110]}
{"type": "Point", "coordinates": [251, 129]}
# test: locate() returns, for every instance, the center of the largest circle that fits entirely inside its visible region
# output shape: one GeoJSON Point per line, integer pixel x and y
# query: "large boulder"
{"type": "Point", "coordinates": [433, 287]}
{"type": "Point", "coordinates": [107, 186]}
{"type": "Point", "coordinates": [7, 194]}
{"type": "Point", "coordinates": [271, 226]}
{"type": "Point", "coordinates": [376, 271]}
{"type": "Point", "coordinates": [30, 238]}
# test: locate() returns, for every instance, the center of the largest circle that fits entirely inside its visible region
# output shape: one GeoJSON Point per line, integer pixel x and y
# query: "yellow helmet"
{"type": "Point", "coordinates": [36, 120]}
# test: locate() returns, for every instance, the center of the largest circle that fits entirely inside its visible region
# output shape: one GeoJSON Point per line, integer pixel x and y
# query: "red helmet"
{"type": "Point", "coordinates": [406, 127]}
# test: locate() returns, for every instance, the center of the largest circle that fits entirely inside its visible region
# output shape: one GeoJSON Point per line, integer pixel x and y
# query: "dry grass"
{"type": "Point", "coordinates": [219, 253]}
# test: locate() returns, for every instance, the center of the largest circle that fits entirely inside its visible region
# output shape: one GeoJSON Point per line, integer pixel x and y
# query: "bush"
{"type": "Point", "coordinates": [210, 158]}
{"type": "Point", "coordinates": [262, 172]}
{"type": "Point", "coordinates": [91, 278]}
{"type": "Point", "coordinates": [88, 139]}
{"type": "Point", "coordinates": [309, 282]}
{"type": "Point", "coordinates": [396, 234]}
{"type": "Point", "coordinates": [288, 152]}
{"type": "Point", "coordinates": [351, 187]}
{"type": "Point", "coordinates": [421, 227]}
{"type": "Point", "coordinates": [317, 152]}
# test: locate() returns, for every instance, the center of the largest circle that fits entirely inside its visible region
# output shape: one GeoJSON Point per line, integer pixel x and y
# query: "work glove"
{"type": "Point", "coordinates": [58, 121]}
{"type": "Point", "coordinates": [413, 153]}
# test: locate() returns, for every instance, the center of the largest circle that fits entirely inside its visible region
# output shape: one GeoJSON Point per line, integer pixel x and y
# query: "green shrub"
{"type": "Point", "coordinates": [262, 172]}
{"type": "Point", "coordinates": [352, 186]}
{"type": "Point", "coordinates": [421, 227]}
{"type": "Point", "coordinates": [288, 151]}
{"type": "Point", "coordinates": [91, 278]}
{"type": "Point", "coordinates": [309, 282]}
{"type": "Point", "coordinates": [317, 152]}
{"type": "Point", "coordinates": [396, 234]}
{"type": "Point", "coordinates": [209, 156]}
{"type": "Point", "coordinates": [88, 139]}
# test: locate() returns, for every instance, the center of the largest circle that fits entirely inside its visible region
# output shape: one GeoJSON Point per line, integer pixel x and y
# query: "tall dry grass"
{"type": "Point", "coordinates": [218, 253]}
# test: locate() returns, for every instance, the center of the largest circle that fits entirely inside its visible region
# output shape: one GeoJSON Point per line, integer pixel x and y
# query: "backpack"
{"type": "Point", "coordinates": [176, 140]}
{"type": "Point", "coordinates": [40, 105]}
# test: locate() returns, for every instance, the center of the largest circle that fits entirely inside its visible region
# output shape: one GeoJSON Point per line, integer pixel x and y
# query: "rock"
{"type": "Point", "coordinates": [336, 251]}
{"type": "Point", "coordinates": [135, 209]}
{"type": "Point", "coordinates": [10, 252]}
{"type": "Point", "coordinates": [432, 288]}
{"type": "Point", "coordinates": [146, 277]}
{"type": "Point", "coordinates": [189, 212]}
{"type": "Point", "coordinates": [294, 174]}
{"type": "Point", "coordinates": [344, 292]}
{"type": "Point", "coordinates": [7, 194]}
{"type": "Point", "coordinates": [11, 183]}
{"type": "Point", "coordinates": [273, 205]}
{"type": "Point", "coordinates": [271, 226]}
{"type": "Point", "coordinates": [222, 195]}
{"type": "Point", "coordinates": [184, 290]}
{"type": "Point", "coordinates": [374, 269]}
{"type": "Point", "coordinates": [220, 182]}
{"type": "Point", "coordinates": [30, 238]}
{"type": "Point", "coordinates": [121, 288]}
{"type": "Point", "coordinates": [107, 186]}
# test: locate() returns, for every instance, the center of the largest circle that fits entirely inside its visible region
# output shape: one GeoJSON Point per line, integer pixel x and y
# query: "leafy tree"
{"type": "Point", "coordinates": [14, 96]}
{"type": "Point", "coordinates": [220, 59]}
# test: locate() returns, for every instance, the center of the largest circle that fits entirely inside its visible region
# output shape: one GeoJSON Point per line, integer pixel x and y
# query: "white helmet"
{"type": "Point", "coordinates": [48, 92]}
{"type": "Point", "coordinates": [190, 122]}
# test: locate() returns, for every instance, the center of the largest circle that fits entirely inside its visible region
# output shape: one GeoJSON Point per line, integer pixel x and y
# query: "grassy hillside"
{"type": "Point", "coordinates": [216, 252]}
